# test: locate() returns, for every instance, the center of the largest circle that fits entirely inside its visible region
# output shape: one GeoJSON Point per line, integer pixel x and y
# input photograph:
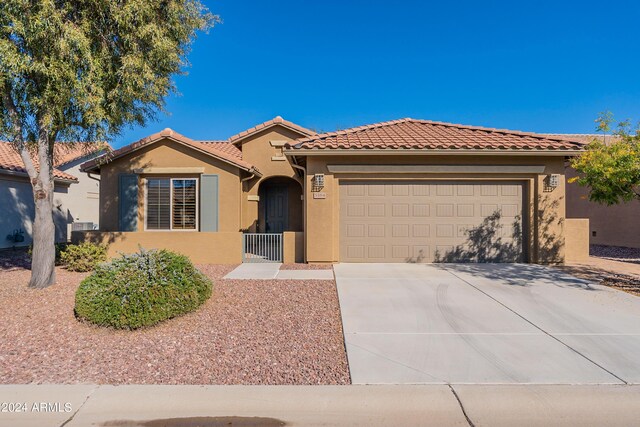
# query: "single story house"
{"type": "Point", "coordinates": [76, 194]}
{"type": "Point", "coordinates": [399, 191]}
{"type": "Point", "coordinates": [616, 225]}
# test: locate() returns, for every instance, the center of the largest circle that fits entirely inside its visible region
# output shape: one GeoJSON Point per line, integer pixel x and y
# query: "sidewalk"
{"type": "Point", "coordinates": [208, 406]}
{"type": "Point", "coordinates": [271, 270]}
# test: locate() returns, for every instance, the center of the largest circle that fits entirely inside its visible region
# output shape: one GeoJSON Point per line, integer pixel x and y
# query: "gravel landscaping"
{"type": "Point", "coordinates": [14, 259]}
{"type": "Point", "coordinates": [597, 275]}
{"type": "Point", "coordinates": [249, 332]}
{"type": "Point", "coordinates": [616, 253]}
{"type": "Point", "coordinates": [623, 283]}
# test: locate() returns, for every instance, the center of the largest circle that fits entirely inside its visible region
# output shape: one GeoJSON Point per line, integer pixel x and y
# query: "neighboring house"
{"type": "Point", "coordinates": [616, 225]}
{"type": "Point", "coordinates": [399, 191]}
{"type": "Point", "coordinates": [75, 193]}
{"type": "Point", "coordinates": [82, 200]}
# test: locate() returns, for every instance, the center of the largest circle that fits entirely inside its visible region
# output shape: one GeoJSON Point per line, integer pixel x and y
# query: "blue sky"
{"type": "Point", "coordinates": [543, 66]}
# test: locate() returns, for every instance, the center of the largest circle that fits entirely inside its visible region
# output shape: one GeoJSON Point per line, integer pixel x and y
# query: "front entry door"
{"type": "Point", "coordinates": [276, 210]}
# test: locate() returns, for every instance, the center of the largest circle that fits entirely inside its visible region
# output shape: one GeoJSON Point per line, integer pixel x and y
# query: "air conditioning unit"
{"type": "Point", "coordinates": [82, 226]}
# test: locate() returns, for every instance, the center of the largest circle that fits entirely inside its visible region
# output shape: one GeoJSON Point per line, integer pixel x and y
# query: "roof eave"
{"type": "Point", "coordinates": [298, 129]}
{"type": "Point", "coordinates": [105, 150]}
{"type": "Point", "coordinates": [92, 165]}
{"type": "Point", "coordinates": [435, 152]}
{"type": "Point", "coordinates": [255, 172]}
{"type": "Point", "coordinates": [65, 181]}
{"type": "Point", "coordinates": [95, 164]}
{"type": "Point", "coordinates": [94, 168]}
{"type": "Point", "coordinates": [21, 174]}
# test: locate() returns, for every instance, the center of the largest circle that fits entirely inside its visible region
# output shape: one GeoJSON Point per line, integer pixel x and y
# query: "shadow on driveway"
{"type": "Point", "coordinates": [519, 274]}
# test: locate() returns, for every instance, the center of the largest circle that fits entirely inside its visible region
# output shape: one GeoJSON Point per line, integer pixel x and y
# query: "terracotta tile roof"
{"type": "Point", "coordinates": [273, 122]}
{"type": "Point", "coordinates": [226, 151]}
{"type": "Point", "coordinates": [585, 138]}
{"type": "Point", "coordinates": [222, 146]}
{"type": "Point", "coordinates": [429, 135]}
{"type": "Point", "coordinates": [11, 161]}
{"type": "Point", "coordinates": [222, 150]}
{"type": "Point", "coordinates": [65, 153]}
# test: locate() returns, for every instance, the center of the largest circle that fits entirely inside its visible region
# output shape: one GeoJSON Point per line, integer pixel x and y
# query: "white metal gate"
{"type": "Point", "coordinates": [262, 247]}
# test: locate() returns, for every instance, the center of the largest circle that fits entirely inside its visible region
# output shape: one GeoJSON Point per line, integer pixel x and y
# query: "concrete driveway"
{"type": "Point", "coordinates": [485, 324]}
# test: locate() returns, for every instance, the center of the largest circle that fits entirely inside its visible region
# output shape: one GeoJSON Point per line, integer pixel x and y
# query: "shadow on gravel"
{"type": "Point", "coordinates": [15, 259]}
{"type": "Point", "coordinates": [199, 422]}
{"type": "Point", "coordinates": [623, 282]}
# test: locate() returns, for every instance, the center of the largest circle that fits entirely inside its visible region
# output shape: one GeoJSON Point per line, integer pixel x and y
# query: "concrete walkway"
{"type": "Point", "coordinates": [271, 270]}
{"type": "Point", "coordinates": [261, 270]}
{"type": "Point", "coordinates": [425, 405]}
{"type": "Point", "coordinates": [485, 324]}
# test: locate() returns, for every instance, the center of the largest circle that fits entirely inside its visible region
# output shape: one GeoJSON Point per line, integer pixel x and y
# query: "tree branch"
{"type": "Point", "coordinates": [18, 139]}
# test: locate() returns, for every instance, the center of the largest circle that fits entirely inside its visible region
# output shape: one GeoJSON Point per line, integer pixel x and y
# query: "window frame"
{"type": "Point", "coordinates": [171, 229]}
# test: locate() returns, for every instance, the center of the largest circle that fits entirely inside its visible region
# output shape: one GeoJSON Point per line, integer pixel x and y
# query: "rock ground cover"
{"type": "Point", "coordinates": [248, 332]}
{"type": "Point", "coordinates": [616, 253]}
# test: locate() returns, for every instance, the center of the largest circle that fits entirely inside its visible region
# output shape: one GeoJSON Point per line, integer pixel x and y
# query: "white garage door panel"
{"type": "Point", "coordinates": [428, 221]}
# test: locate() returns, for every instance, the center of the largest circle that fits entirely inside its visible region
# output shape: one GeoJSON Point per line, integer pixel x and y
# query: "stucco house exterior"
{"type": "Point", "coordinates": [399, 191]}
{"type": "Point", "coordinates": [76, 194]}
{"type": "Point", "coordinates": [616, 225]}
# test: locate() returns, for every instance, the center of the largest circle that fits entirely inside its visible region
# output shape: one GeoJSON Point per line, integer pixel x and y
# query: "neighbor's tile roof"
{"type": "Point", "coordinates": [222, 150]}
{"type": "Point", "coordinates": [585, 138]}
{"type": "Point", "coordinates": [65, 153]}
{"type": "Point", "coordinates": [269, 123]}
{"type": "Point", "coordinates": [424, 134]}
{"type": "Point", "coordinates": [11, 161]}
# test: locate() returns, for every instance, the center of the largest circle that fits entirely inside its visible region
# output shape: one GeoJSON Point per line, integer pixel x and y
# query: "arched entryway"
{"type": "Point", "coordinates": [280, 205]}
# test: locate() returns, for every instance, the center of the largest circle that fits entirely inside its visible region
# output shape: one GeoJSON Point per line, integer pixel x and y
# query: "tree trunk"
{"type": "Point", "coordinates": [43, 254]}
{"type": "Point", "coordinates": [43, 273]}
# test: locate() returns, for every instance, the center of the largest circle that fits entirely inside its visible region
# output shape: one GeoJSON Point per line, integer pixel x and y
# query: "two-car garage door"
{"type": "Point", "coordinates": [430, 221]}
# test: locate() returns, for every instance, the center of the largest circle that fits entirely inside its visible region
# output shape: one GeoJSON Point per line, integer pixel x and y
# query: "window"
{"type": "Point", "coordinates": [158, 204]}
{"type": "Point", "coordinates": [184, 204]}
{"type": "Point", "coordinates": [172, 204]}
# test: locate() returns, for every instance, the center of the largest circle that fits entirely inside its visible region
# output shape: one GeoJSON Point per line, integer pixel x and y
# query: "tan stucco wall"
{"type": "Point", "coordinates": [546, 213]}
{"type": "Point", "coordinates": [549, 216]}
{"type": "Point", "coordinates": [577, 240]}
{"type": "Point", "coordinates": [293, 247]}
{"type": "Point", "coordinates": [205, 248]}
{"type": "Point", "coordinates": [166, 154]}
{"type": "Point", "coordinates": [617, 225]}
{"type": "Point", "coordinates": [258, 151]}
{"type": "Point", "coordinates": [235, 210]}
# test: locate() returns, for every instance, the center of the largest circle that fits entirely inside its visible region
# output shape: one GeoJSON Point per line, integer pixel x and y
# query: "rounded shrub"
{"type": "Point", "coordinates": [141, 289]}
{"type": "Point", "coordinates": [83, 257]}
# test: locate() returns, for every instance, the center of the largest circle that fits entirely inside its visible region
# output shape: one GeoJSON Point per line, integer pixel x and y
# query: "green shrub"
{"type": "Point", "coordinates": [141, 289]}
{"type": "Point", "coordinates": [83, 257]}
